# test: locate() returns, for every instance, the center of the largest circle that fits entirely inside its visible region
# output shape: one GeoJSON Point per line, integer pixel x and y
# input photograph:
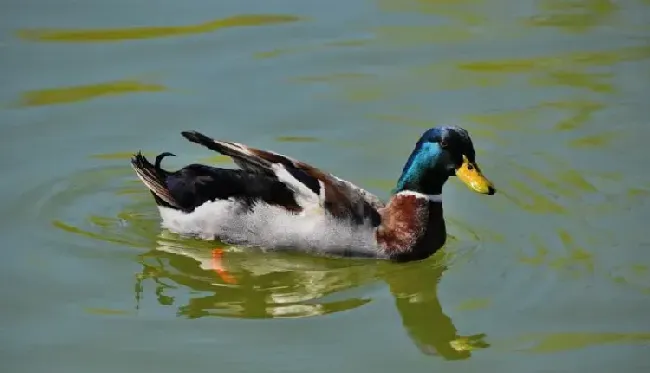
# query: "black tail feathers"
{"type": "Point", "coordinates": [153, 177]}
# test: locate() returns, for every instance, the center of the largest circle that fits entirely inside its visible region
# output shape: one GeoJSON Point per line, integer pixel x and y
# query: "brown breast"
{"type": "Point", "coordinates": [412, 227]}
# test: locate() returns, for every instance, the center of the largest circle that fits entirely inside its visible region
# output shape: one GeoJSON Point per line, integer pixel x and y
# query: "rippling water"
{"type": "Point", "coordinates": [550, 275]}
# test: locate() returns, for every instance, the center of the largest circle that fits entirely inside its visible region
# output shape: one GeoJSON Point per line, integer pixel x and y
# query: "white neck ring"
{"type": "Point", "coordinates": [436, 198]}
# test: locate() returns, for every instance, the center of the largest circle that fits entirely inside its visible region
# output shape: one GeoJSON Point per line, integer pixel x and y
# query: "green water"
{"type": "Point", "coordinates": [552, 274]}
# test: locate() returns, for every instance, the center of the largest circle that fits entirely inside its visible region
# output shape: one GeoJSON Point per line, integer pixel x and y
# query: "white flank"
{"type": "Point", "coordinates": [436, 198]}
{"type": "Point", "coordinates": [269, 227]}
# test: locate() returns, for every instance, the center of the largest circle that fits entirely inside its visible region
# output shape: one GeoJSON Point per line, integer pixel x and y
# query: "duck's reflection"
{"type": "Point", "coordinates": [416, 298]}
{"type": "Point", "coordinates": [272, 285]}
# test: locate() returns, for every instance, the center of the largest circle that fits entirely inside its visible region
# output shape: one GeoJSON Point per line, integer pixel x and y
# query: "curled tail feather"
{"type": "Point", "coordinates": [153, 176]}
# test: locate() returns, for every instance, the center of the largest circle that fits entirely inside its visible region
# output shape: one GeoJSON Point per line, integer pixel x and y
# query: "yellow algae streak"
{"type": "Point", "coordinates": [296, 139]}
{"type": "Point", "coordinates": [541, 253]}
{"type": "Point", "coordinates": [532, 201]}
{"type": "Point", "coordinates": [571, 341]}
{"type": "Point", "coordinates": [582, 112]}
{"type": "Point", "coordinates": [594, 141]}
{"type": "Point", "coordinates": [575, 180]}
{"type": "Point", "coordinates": [469, 12]}
{"type": "Point", "coordinates": [566, 183]}
{"type": "Point", "coordinates": [543, 63]}
{"type": "Point", "coordinates": [415, 35]}
{"type": "Point", "coordinates": [134, 33]}
{"type": "Point", "coordinates": [639, 269]}
{"type": "Point", "coordinates": [576, 261]}
{"type": "Point", "coordinates": [105, 311]}
{"type": "Point", "coordinates": [65, 95]}
{"type": "Point", "coordinates": [576, 255]}
{"type": "Point", "coordinates": [216, 159]}
{"type": "Point", "coordinates": [596, 82]}
{"type": "Point", "coordinates": [575, 16]}
{"type": "Point", "coordinates": [634, 276]}
{"type": "Point", "coordinates": [506, 120]}
{"type": "Point", "coordinates": [332, 78]}
{"type": "Point", "coordinates": [119, 155]}
{"type": "Point", "coordinates": [365, 94]}
{"type": "Point", "coordinates": [304, 49]}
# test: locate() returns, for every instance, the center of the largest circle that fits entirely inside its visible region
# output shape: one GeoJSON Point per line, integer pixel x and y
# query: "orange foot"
{"type": "Point", "coordinates": [218, 267]}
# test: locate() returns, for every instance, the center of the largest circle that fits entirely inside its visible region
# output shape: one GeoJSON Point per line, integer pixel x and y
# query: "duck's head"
{"type": "Point", "coordinates": [439, 153]}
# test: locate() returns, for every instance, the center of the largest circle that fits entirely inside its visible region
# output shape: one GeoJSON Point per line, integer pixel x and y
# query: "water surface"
{"type": "Point", "coordinates": [550, 274]}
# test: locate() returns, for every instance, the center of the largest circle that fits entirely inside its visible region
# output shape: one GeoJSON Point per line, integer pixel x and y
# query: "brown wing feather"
{"type": "Point", "coordinates": [342, 198]}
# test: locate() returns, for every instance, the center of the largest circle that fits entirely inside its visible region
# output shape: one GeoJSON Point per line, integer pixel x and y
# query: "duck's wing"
{"type": "Point", "coordinates": [312, 186]}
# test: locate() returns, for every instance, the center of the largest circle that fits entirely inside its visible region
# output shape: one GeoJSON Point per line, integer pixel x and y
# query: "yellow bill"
{"type": "Point", "coordinates": [470, 174]}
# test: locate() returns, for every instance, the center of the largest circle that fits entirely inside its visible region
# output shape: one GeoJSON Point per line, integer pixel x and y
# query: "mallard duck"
{"type": "Point", "coordinates": [278, 202]}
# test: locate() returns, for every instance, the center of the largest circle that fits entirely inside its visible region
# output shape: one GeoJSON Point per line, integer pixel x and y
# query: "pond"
{"type": "Point", "coordinates": [551, 274]}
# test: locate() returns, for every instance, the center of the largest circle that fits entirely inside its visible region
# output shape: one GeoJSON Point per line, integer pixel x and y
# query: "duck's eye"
{"type": "Point", "coordinates": [443, 143]}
